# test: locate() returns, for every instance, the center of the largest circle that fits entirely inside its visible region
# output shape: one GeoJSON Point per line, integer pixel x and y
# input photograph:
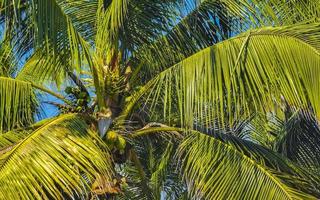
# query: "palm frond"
{"type": "Point", "coordinates": [210, 22]}
{"type": "Point", "coordinates": [264, 130]}
{"type": "Point", "coordinates": [218, 169]}
{"type": "Point", "coordinates": [82, 13]}
{"type": "Point", "coordinates": [295, 136]}
{"type": "Point", "coordinates": [57, 43]}
{"type": "Point", "coordinates": [125, 25]}
{"type": "Point", "coordinates": [299, 140]}
{"type": "Point", "coordinates": [294, 11]}
{"type": "Point", "coordinates": [11, 138]}
{"type": "Point", "coordinates": [156, 156]}
{"type": "Point", "coordinates": [159, 175]}
{"type": "Point", "coordinates": [146, 20]}
{"type": "Point", "coordinates": [17, 104]}
{"type": "Point", "coordinates": [110, 19]}
{"type": "Point", "coordinates": [249, 73]}
{"type": "Point", "coordinates": [53, 161]}
{"type": "Point", "coordinates": [8, 62]}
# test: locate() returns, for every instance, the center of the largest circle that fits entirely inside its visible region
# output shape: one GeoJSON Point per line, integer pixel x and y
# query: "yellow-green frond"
{"type": "Point", "coordinates": [61, 158]}
{"type": "Point", "coordinates": [255, 72]}
{"type": "Point", "coordinates": [10, 138]}
{"type": "Point", "coordinates": [214, 169]}
{"type": "Point", "coordinates": [110, 18]}
{"type": "Point", "coordinates": [17, 104]}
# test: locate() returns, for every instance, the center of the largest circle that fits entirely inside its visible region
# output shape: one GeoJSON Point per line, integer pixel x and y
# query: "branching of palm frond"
{"type": "Point", "coordinates": [125, 25]}
{"type": "Point", "coordinates": [155, 153]}
{"type": "Point", "coordinates": [109, 22]}
{"type": "Point", "coordinates": [197, 30]}
{"type": "Point", "coordinates": [226, 172]}
{"type": "Point", "coordinates": [82, 13]}
{"type": "Point", "coordinates": [44, 66]}
{"type": "Point", "coordinates": [132, 100]}
{"type": "Point", "coordinates": [264, 130]}
{"type": "Point", "coordinates": [56, 157]}
{"type": "Point", "coordinates": [163, 176]}
{"type": "Point", "coordinates": [17, 104]}
{"type": "Point", "coordinates": [116, 14]}
{"type": "Point", "coordinates": [57, 30]}
{"type": "Point", "coordinates": [208, 84]}
{"type": "Point", "coordinates": [157, 127]}
{"type": "Point", "coordinates": [59, 65]}
{"type": "Point", "coordinates": [272, 160]}
{"type": "Point", "coordinates": [299, 140]}
{"type": "Point", "coordinates": [147, 20]}
{"type": "Point", "coordinates": [8, 139]}
{"type": "Point", "coordinates": [293, 11]}
{"type": "Point", "coordinates": [134, 190]}
{"type": "Point", "coordinates": [15, 97]}
{"type": "Point", "coordinates": [193, 33]}
{"type": "Point", "coordinates": [11, 138]}
{"type": "Point", "coordinates": [7, 59]}
{"type": "Point", "coordinates": [59, 45]}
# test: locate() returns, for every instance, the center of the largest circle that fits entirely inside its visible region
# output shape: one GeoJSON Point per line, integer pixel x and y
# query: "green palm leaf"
{"type": "Point", "coordinates": [197, 30]}
{"type": "Point", "coordinates": [7, 59]}
{"type": "Point", "coordinates": [299, 140]}
{"type": "Point", "coordinates": [217, 169]}
{"type": "Point", "coordinates": [54, 159]}
{"type": "Point", "coordinates": [58, 38]}
{"type": "Point", "coordinates": [110, 18]}
{"type": "Point", "coordinates": [216, 79]}
{"type": "Point", "coordinates": [11, 138]}
{"type": "Point", "coordinates": [249, 73]}
{"type": "Point", "coordinates": [17, 104]}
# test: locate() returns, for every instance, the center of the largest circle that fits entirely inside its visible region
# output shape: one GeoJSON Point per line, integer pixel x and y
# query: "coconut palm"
{"type": "Point", "coordinates": [160, 99]}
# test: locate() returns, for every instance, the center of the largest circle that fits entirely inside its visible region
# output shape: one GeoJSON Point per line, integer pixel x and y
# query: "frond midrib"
{"type": "Point", "coordinates": [253, 33]}
{"type": "Point", "coordinates": [15, 80]}
{"type": "Point", "coordinates": [297, 39]}
{"type": "Point", "coordinates": [30, 137]}
{"type": "Point", "coordinates": [254, 163]}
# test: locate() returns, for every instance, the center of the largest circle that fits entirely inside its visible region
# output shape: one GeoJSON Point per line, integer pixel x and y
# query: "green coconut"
{"type": "Point", "coordinates": [112, 136]}
{"type": "Point", "coordinates": [121, 143]}
{"type": "Point", "coordinates": [68, 90]}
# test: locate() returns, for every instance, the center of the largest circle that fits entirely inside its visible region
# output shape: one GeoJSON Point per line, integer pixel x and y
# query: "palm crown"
{"type": "Point", "coordinates": [160, 99]}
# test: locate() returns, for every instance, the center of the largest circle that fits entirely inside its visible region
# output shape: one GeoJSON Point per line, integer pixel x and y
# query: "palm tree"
{"type": "Point", "coordinates": [160, 99]}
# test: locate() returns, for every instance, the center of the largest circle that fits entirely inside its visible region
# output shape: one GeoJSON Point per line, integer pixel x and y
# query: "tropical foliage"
{"type": "Point", "coordinates": [160, 99]}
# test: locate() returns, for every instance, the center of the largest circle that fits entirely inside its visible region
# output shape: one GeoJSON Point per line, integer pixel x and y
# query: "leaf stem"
{"type": "Point", "coordinates": [59, 96]}
{"type": "Point", "coordinates": [146, 131]}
